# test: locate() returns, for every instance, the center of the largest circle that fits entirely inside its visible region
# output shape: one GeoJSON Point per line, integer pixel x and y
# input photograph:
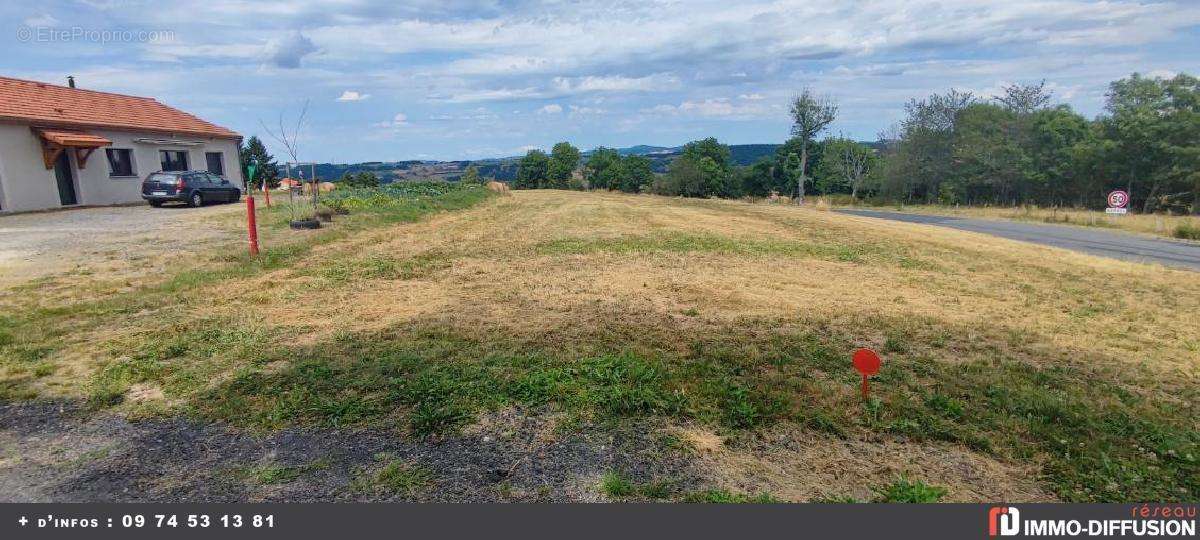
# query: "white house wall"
{"type": "Point", "coordinates": [26, 184]}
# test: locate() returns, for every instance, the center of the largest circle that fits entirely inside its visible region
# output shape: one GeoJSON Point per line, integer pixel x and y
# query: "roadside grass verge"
{"type": "Point", "coordinates": [1187, 231]}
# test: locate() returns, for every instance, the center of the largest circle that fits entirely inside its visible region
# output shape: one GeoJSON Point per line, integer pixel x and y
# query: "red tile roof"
{"type": "Point", "coordinates": [48, 104]}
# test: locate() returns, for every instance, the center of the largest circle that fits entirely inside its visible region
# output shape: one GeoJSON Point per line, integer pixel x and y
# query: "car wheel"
{"type": "Point", "coordinates": [196, 200]}
{"type": "Point", "coordinates": [156, 204]}
{"type": "Point", "coordinates": [237, 197]}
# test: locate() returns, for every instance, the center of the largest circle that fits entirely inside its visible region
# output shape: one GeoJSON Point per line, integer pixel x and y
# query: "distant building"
{"type": "Point", "coordinates": [61, 146]}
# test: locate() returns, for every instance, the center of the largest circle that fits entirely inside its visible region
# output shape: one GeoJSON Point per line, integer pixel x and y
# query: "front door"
{"type": "Point", "coordinates": [66, 180]}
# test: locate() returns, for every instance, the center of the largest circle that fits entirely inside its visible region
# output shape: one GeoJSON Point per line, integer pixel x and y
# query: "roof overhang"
{"type": "Point", "coordinates": [55, 141]}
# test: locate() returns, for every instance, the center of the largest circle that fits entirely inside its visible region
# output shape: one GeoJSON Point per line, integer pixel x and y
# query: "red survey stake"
{"type": "Point", "coordinates": [867, 363]}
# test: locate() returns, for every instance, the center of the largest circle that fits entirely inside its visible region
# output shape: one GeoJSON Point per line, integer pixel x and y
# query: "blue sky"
{"type": "Point", "coordinates": [461, 79]}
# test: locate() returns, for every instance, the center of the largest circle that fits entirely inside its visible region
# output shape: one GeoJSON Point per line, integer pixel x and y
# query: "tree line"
{"type": "Point", "coordinates": [1020, 148]}
{"type": "Point", "coordinates": [951, 148]}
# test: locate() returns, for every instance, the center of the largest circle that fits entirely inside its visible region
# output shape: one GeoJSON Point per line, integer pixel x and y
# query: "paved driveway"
{"type": "Point", "coordinates": [1105, 243]}
{"type": "Point", "coordinates": [39, 244]}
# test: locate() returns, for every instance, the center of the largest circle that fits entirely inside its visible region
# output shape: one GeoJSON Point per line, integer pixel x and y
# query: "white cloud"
{"type": "Point", "coordinates": [398, 121]}
{"type": "Point", "coordinates": [577, 110]}
{"type": "Point", "coordinates": [751, 97]}
{"type": "Point", "coordinates": [616, 83]}
{"type": "Point", "coordinates": [1162, 73]}
{"type": "Point", "coordinates": [499, 94]}
{"type": "Point", "coordinates": [351, 95]}
{"type": "Point", "coordinates": [552, 108]}
{"type": "Point", "coordinates": [41, 21]}
{"type": "Point", "coordinates": [287, 51]}
{"type": "Point", "coordinates": [713, 107]}
{"type": "Point", "coordinates": [708, 107]}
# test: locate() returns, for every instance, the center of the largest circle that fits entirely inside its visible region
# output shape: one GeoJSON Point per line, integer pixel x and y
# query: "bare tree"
{"type": "Point", "coordinates": [290, 141]}
{"type": "Point", "coordinates": [811, 114]}
{"type": "Point", "coordinates": [1024, 99]}
{"type": "Point", "coordinates": [291, 144]}
{"type": "Point", "coordinates": [890, 137]}
{"type": "Point", "coordinates": [854, 163]}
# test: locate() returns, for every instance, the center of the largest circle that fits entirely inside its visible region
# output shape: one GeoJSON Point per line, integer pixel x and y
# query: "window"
{"type": "Point", "coordinates": [174, 160]}
{"type": "Point", "coordinates": [216, 163]}
{"type": "Point", "coordinates": [120, 162]}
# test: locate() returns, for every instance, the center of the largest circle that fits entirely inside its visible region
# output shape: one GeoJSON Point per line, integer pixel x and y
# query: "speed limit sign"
{"type": "Point", "coordinates": [1117, 202]}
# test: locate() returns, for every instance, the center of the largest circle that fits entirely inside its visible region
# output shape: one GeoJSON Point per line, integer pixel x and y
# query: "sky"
{"type": "Point", "coordinates": [464, 79]}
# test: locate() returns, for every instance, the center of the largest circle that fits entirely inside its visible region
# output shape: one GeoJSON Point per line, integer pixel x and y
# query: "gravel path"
{"type": "Point", "coordinates": [39, 244]}
{"type": "Point", "coordinates": [1116, 245]}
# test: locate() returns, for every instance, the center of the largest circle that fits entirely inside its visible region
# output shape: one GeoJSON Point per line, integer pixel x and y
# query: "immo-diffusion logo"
{"type": "Point", "coordinates": [1144, 520]}
{"type": "Point", "coordinates": [1004, 521]}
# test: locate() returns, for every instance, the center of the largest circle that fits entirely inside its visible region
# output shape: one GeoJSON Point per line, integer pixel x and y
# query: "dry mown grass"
{"type": "Point", "coordinates": [797, 465]}
{"type": "Point", "coordinates": [740, 314]}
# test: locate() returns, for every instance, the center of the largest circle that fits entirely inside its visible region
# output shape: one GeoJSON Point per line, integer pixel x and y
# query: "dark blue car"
{"type": "Point", "coordinates": [195, 188]}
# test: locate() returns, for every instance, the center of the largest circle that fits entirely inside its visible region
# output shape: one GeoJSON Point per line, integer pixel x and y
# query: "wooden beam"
{"type": "Point", "coordinates": [82, 155]}
{"type": "Point", "coordinates": [50, 153]}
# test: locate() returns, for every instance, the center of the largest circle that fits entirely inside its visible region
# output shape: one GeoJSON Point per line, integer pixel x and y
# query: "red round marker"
{"type": "Point", "coordinates": [867, 363]}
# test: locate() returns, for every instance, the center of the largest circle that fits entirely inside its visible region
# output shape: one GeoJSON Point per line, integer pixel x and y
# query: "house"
{"type": "Point", "coordinates": [62, 146]}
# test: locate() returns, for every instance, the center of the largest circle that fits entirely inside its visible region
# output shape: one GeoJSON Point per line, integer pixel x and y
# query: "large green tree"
{"type": "Point", "coordinates": [989, 160]}
{"type": "Point", "coordinates": [1061, 148]}
{"type": "Point", "coordinates": [701, 170]}
{"type": "Point", "coordinates": [1155, 134]}
{"type": "Point", "coordinates": [254, 151]}
{"type": "Point", "coordinates": [603, 169]}
{"type": "Point", "coordinates": [811, 114]}
{"type": "Point", "coordinates": [564, 159]}
{"type": "Point", "coordinates": [533, 170]}
{"type": "Point", "coordinates": [636, 174]}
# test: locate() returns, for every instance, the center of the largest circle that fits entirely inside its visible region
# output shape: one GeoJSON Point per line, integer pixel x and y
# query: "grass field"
{"type": "Point", "coordinates": [1011, 371]}
{"type": "Point", "coordinates": [1183, 227]}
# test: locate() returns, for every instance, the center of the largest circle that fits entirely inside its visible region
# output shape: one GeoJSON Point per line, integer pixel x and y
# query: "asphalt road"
{"type": "Point", "coordinates": [1105, 243]}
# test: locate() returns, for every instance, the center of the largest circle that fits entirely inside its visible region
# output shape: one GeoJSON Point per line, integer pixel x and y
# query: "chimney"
{"type": "Point", "coordinates": [71, 81]}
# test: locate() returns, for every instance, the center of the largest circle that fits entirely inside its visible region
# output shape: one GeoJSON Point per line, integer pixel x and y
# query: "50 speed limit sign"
{"type": "Point", "coordinates": [1117, 201]}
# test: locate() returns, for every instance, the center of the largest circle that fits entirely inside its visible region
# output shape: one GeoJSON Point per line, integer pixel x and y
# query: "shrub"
{"type": "Point", "coordinates": [1187, 231]}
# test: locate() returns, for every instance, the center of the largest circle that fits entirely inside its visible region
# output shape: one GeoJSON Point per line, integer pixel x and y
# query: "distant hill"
{"type": "Point", "coordinates": [747, 154]}
{"type": "Point", "coordinates": [643, 150]}
{"type": "Point", "coordinates": [739, 154]}
{"type": "Point", "coordinates": [505, 169]}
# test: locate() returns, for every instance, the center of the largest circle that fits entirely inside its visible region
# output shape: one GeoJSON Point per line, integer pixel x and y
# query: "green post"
{"type": "Point", "coordinates": [251, 168]}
